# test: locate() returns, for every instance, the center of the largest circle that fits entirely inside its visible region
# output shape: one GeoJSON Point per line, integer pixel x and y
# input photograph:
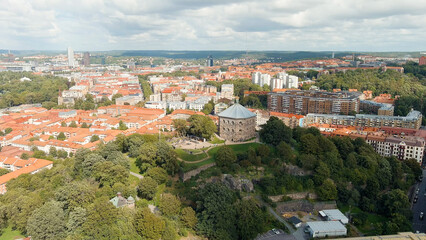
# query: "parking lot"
{"type": "Point", "coordinates": [270, 235]}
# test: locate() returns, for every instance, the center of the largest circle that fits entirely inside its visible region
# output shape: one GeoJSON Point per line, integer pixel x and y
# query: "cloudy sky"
{"type": "Point", "coordinates": [311, 25]}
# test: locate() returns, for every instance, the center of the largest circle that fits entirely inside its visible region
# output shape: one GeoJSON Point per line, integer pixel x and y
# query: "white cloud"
{"type": "Point", "coordinates": [359, 25]}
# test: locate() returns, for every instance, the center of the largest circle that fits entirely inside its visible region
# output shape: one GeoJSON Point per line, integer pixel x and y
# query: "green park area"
{"type": "Point", "coordinates": [208, 157]}
{"type": "Point", "coordinates": [9, 234]}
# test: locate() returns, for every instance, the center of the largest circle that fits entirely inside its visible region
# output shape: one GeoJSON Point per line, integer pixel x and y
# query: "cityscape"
{"type": "Point", "coordinates": [237, 129]}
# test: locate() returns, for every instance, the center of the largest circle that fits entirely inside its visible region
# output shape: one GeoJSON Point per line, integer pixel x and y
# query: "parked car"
{"type": "Point", "coordinates": [421, 216]}
{"type": "Point", "coordinates": [275, 231]}
{"type": "Point", "coordinates": [415, 199]}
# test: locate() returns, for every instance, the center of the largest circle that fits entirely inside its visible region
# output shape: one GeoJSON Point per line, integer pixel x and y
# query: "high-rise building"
{"type": "Point", "coordinates": [86, 59]}
{"type": "Point", "coordinates": [422, 61]}
{"type": "Point", "coordinates": [71, 61]}
{"type": "Point", "coordinates": [290, 81]}
{"type": "Point", "coordinates": [210, 61]}
{"type": "Point", "coordinates": [261, 79]}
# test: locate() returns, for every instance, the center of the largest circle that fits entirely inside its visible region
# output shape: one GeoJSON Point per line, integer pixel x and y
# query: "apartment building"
{"type": "Point", "coordinates": [403, 148]}
{"type": "Point", "coordinates": [412, 120]}
{"type": "Point", "coordinates": [305, 102]}
{"type": "Point", "coordinates": [376, 108]}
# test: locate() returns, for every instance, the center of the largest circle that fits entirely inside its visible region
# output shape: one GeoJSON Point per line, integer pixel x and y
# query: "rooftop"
{"type": "Point", "coordinates": [237, 111]}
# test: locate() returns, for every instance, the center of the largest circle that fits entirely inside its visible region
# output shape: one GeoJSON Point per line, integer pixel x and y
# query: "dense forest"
{"type": "Point", "coordinates": [378, 81]}
{"type": "Point", "coordinates": [71, 201]}
{"type": "Point", "coordinates": [39, 89]}
{"type": "Point", "coordinates": [346, 170]}
{"type": "Point", "coordinates": [416, 70]}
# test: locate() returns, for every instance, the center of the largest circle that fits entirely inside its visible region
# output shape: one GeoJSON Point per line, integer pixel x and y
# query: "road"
{"type": "Point", "coordinates": [420, 206]}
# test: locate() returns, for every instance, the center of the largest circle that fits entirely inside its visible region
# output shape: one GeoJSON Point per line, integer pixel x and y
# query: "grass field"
{"type": "Point", "coordinates": [190, 157]}
{"type": "Point", "coordinates": [216, 140]}
{"type": "Point", "coordinates": [238, 148]}
{"type": "Point", "coordinates": [133, 167]}
{"type": "Point", "coordinates": [9, 234]}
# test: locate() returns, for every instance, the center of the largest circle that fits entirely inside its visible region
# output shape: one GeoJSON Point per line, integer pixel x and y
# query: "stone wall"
{"type": "Point", "coordinates": [237, 130]}
{"type": "Point", "coordinates": [188, 175]}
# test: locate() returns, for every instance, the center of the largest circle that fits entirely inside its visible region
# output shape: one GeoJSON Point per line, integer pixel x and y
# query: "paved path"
{"type": "Point", "coordinates": [276, 216]}
{"type": "Point", "coordinates": [136, 175]}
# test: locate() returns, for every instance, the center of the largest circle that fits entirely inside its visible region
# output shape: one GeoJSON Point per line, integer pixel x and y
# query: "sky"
{"type": "Point", "coordinates": [282, 25]}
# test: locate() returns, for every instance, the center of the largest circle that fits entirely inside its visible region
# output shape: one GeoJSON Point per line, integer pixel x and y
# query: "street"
{"type": "Point", "coordinates": [420, 206]}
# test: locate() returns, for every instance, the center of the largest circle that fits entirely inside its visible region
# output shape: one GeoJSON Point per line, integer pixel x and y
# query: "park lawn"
{"type": "Point", "coordinates": [133, 167]}
{"type": "Point", "coordinates": [216, 140]}
{"type": "Point", "coordinates": [133, 181]}
{"type": "Point", "coordinates": [238, 148]}
{"type": "Point", "coordinates": [191, 166]}
{"type": "Point", "coordinates": [182, 154]}
{"type": "Point", "coordinates": [9, 234]}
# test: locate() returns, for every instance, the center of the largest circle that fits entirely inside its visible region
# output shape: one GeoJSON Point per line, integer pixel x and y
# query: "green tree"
{"type": "Point", "coordinates": [3, 171]}
{"type": "Point", "coordinates": [107, 173]}
{"type": "Point", "coordinates": [169, 205]}
{"type": "Point", "coordinates": [148, 225]}
{"type": "Point", "coordinates": [309, 144]}
{"type": "Point", "coordinates": [62, 154]}
{"type": "Point", "coordinates": [286, 152]}
{"type": "Point", "coordinates": [25, 156]}
{"type": "Point", "coordinates": [101, 217]}
{"type": "Point", "coordinates": [76, 220]}
{"type": "Point", "coordinates": [89, 162]}
{"type": "Point", "coordinates": [73, 124]}
{"type": "Point", "coordinates": [47, 222]}
{"type": "Point", "coordinates": [188, 217]}
{"type": "Point", "coordinates": [225, 157]}
{"type": "Point", "coordinates": [217, 214]}
{"type": "Point", "coordinates": [275, 131]}
{"type": "Point", "coordinates": [147, 188]}
{"type": "Point", "coordinates": [122, 126]}
{"type": "Point", "coordinates": [61, 136]}
{"type": "Point", "coordinates": [84, 125]}
{"type": "Point", "coordinates": [53, 152]}
{"type": "Point", "coordinates": [249, 221]}
{"type": "Point", "coordinates": [94, 138]}
{"type": "Point", "coordinates": [8, 130]}
{"type": "Point", "coordinates": [201, 126]}
{"type": "Point", "coordinates": [180, 126]}
{"type": "Point", "coordinates": [117, 157]}
{"type": "Point", "coordinates": [327, 191]}
{"type": "Point", "coordinates": [158, 174]}
{"type": "Point", "coordinates": [208, 108]}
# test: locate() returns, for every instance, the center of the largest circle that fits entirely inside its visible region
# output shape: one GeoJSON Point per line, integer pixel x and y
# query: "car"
{"type": "Point", "coordinates": [275, 231]}
{"type": "Point", "coordinates": [424, 194]}
{"type": "Point", "coordinates": [417, 191]}
{"type": "Point", "coordinates": [420, 178]}
{"type": "Point", "coordinates": [421, 216]}
{"type": "Point", "coordinates": [306, 230]}
{"type": "Point", "coordinates": [415, 199]}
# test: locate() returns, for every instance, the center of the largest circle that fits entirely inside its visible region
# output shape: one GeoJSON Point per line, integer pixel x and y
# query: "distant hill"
{"type": "Point", "coordinates": [272, 56]}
